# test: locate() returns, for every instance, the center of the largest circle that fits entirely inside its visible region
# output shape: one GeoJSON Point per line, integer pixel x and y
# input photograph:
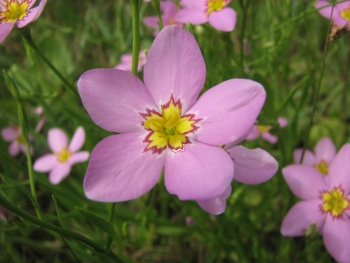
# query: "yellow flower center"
{"type": "Point", "coordinates": [13, 10]}
{"type": "Point", "coordinates": [63, 155]}
{"type": "Point", "coordinates": [322, 167]}
{"type": "Point", "coordinates": [215, 5]}
{"type": "Point", "coordinates": [168, 128]}
{"type": "Point", "coordinates": [20, 139]}
{"type": "Point", "coordinates": [263, 128]}
{"type": "Point", "coordinates": [345, 13]}
{"type": "Point", "coordinates": [335, 202]}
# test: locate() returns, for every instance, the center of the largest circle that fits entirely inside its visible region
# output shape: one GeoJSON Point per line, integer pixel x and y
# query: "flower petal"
{"type": "Point", "coordinates": [59, 172]}
{"type": "Point", "coordinates": [217, 205]}
{"type": "Point", "coordinates": [194, 16]}
{"type": "Point", "coordinates": [33, 14]}
{"type": "Point", "coordinates": [175, 66]}
{"type": "Point", "coordinates": [151, 21]}
{"type": "Point", "coordinates": [45, 163]}
{"type": "Point", "coordinates": [336, 237]}
{"type": "Point", "coordinates": [5, 30]}
{"type": "Point", "coordinates": [253, 134]}
{"type": "Point", "coordinates": [120, 170]}
{"type": "Point", "coordinates": [79, 157]}
{"type": "Point", "coordinates": [339, 169]}
{"type": "Point", "coordinates": [304, 181]}
{"type": "Point", "coordinates": [325, 150]}
{"type": "Point", "coordinates": [114, 99]}
{"type": "Point", "coordinates": [252, 166]}
{"type": "Point", "coordinates": [301, 216]}
{"type": "Point", "coordinates": [283, 122]}
{"type": "Point", "coordinates": [77, 140]}
{"type": "Point", "coordinates": [9, 134]}
{"type": "Point", "coordinates": [309, 157]}
{"type": "Point", "coordinates": [228, 110]}
{"type": "Point", "coordinates": [14, 149]}
{"type": "Point", "coordinates": [224, 20]}
{"type": "Point", "coordinates": [269, 137]}
{"type": "Point", "coordinates": [57, 139]}
{"type": "Point", "coordinates": [199, 172]}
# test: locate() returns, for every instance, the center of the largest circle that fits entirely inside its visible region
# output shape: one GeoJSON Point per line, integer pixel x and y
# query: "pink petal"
{"type": "Point", "coordinates": [339, 169]}
{"type": "Point", "coordinates": [175, 66]}
{"type": "Point", "coordinates": [228, 110]}
{"type": "Point", "coordinates": [14, 149]}
{"type": "Point", "coordinates": [23, 149]}
{"type": "Point", "coordinates": [151, 21]}
{"type": "Point", "coordinates": [5, 29]}
{"type": "Point", "coordinates": [57, 139]}
{"type": "Point", "coordinates": [193, 3]}
{"type": "Point", "coordinates": [120, 170]}
{"type": "Point", "coordinates": [240, 139]}
{"type": "Point", "coordinates": [217, 205]}
{"type": "Point", "coordinates": [224, 20]}
{"type": "Point", "coordinates": [282, 122]}
{"type": "Point", "coordinates": [309, 157]}
{"type": "Point", "coordinates": [9, 134]}
{"type": "Point", "coordinates": [325, 150]}
{"type": "Point", "coordinates": [34, 13]}
{"type": "Point", "coordinates": [252, 166]}
{"type": "Point", "coordinates": [199, 172]}
{"type": "Point", "coordinates": [45, 163]}
{"type": "Point", "coordinates": [77, 140]}
{"type": "Point", "coordinates": [253, 134]}
{"type": "Point", "coordinates": [194, 16]}
{"type": "Point", "coordinates": [336, 237]}
{"type": "Point", "coordinates": [79, 157]}
{"type": "Point", "coordinates": [301, 216]}
{"type": "Point", "coordinates": [114, 99]}
{"type": "Point", "coordinates": [59, 172]}
{"type": "Point", "coordinates": [267, 136]}
{"type": "Point", "coordinates": [304, 181]}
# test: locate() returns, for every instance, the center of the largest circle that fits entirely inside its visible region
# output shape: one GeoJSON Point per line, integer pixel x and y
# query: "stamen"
{"type": "Point", "coordinates": [335, 202]}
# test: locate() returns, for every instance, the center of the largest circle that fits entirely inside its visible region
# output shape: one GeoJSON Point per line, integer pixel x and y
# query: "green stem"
{"type": "Point", "coordinates": [244, 10]}
{"type": "Point", "coordinates": [29, 40]}
{"type": "Point", "coordinates": [110, 219]}
{"type": "Point", "coordinates": [135, 35]}
{"type": "Point", "coordinates": [98, 248]}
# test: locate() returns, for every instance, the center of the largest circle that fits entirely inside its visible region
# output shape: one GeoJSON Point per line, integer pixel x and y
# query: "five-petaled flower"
{"type": "Point", "coordinates": [326, 203]}
{"type": "Point", "coordinates": [215, 12]}
{"type": "Point", "coordinates": [340, 14]}
{"type": "Point", "coordinates": [126, 62]}
{"type": "Point", "coordinates": [59, 162]}
{"type": "Point", "coordinates": [162, 124]}
{"type": "Point", "coordinates": [14, 135]}
{"type": "Point", "coordinates": [17, 11]}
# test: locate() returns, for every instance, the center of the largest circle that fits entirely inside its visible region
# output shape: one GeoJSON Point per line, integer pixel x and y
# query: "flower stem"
{"type": "Point", "coordinates": [244, 11]}
{"type": "Point", "coordinates": [135, 35]}
{"type": "Point", "coordinates": [110, 219]}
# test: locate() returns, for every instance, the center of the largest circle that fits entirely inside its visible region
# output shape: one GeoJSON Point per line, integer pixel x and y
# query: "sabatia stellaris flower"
{"type": "Point", "coordinates": [17, 12]}
{"type": "Point", "coordinates": [341, 12]}
{"type": "Point", "coordinates": [163, 124]}
{"type": "Point", "coordinates": [64, 156]}
{"type": "Point", "coordinates": [14, 135]}
{"type": "Point", "coordinates": [326, 203]}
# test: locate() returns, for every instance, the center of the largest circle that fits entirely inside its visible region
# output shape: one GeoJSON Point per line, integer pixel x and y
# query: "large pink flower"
{"type": "Point", "coordinates": [59, 162]}
{"type": "Point", "coordinates": [326, 203]}
{"type": "Point", "coordinates": [215, 12]}
{"type": "Point", "coordinates": [169, 10]}
{"type": "Point", "coordinates": [341, 12]}
{"type": "Point", "coordinates": [163, 124]}
{"type": "Point", "coordinates": [17, 12]}
{"type": "Point", "coordinates": [14, 135]}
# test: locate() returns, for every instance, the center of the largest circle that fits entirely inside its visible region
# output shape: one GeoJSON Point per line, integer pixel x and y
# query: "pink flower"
{"type": "Point", "coordinates": [17, 12]}
{"type": "Point", "coordinates": [341, 12]}
{"type": "Point", "coordinates": [126, 62]}
{"type": "Point", "coordinates": [64, 156]}
{"type": "Point", "coordinates": [163, 124]}
{"type": "Point", "coordinates": [40, 111]}
{"type": "Point", "coordinates": [251, 167]}
{"type": "Point", "coordinates": [326, 203]}
{"type": "Point", "coordinates": [324, 153]}
{"type": "Point", "coordinates": [169, 9]}
{"type": "Point", "coordinates": [215, 12]}
{"type": "Point", "coordinates": [14, 135]}
{"type": "Point", "coordinates": [264, 131]}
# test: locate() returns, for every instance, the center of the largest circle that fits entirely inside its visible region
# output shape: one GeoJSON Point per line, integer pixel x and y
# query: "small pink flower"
{"type": "Point", "coordinates": [14, 135]}
{"type": "Point", "coordinates": [126, 62]}
{"type": "Point", "coordinates": [325, 203]}
{"type": "Point", "coordinates": [162, 124]}
{"type": "Point", "coordinates": [17, 11]}
{"type": "Point", "coordinates": [264, 131]}
{"type": "Point", "coordinates": [324, 153]}
{"type": "Point", "coordinates": [64, 156]}
{"type": "Point", "coordinates": [40, 111]}
{"type": "Point", "coordinates": [341, 12]}
{"type": "Point", "coordinates": [169, 10]}
{"type": "Point", "coordinates": [215, 12]}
